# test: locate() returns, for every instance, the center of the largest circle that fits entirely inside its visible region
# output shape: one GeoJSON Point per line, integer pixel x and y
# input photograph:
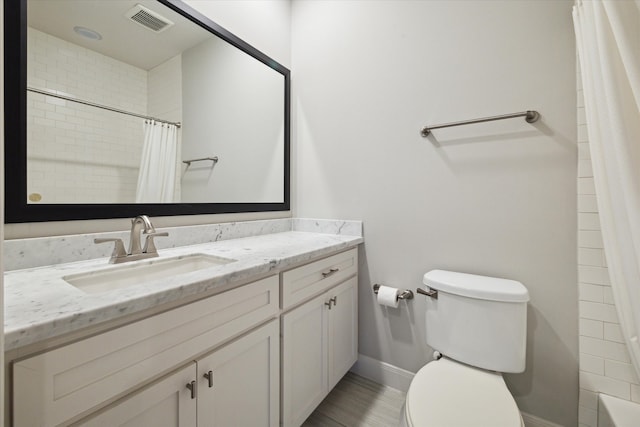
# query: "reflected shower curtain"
{"type": "Point", "coordinates": [608, 38]}
{"type": "Point", "coordinates": [156, 178]}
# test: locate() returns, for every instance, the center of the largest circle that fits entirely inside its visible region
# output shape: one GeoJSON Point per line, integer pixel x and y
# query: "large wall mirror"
{"type": "Point", "coordinates": [123, 107]}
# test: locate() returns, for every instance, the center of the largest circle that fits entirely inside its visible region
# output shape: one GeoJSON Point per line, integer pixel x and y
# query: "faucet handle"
{"type": "Point", "coordinates": [149, 245]}
{"type": "Point", "coordinates": [118, 249]}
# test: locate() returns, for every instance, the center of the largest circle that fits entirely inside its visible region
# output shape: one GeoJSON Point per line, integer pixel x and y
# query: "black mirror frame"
{"type": "Point", "coordinates": [17, 210]}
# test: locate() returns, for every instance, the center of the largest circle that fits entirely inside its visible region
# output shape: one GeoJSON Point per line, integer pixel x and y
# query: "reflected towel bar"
{"type": "Point", "coordinates": [531, 116]}
{"type": "Point", "coordinates": [214, 159]}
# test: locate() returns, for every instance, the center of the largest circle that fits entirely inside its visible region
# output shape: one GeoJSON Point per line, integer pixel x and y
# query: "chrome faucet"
{"type": "Point", "coordinates": [137, 225]}
{"type": "Point", "coordinates": [140, 224]}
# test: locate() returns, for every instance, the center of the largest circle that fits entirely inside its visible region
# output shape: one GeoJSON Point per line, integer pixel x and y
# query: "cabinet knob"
{"type": "Point", "coordinates": [331, 272]}
{"type": "Point", "coordinates": [209, 377]}
{"type": "Point", "coordinates": [192, 388]}
{"type": "Point", "coordinates": [328, 304]}
{"type": "Point", "coordinates": [334, 300]}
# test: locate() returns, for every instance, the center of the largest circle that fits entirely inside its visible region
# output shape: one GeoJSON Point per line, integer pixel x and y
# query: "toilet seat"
{"type": "Point", "coordinates": [446, 393]}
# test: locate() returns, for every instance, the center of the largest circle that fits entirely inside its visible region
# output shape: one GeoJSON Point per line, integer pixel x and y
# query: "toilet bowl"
{"type": "Point", "coordinates": [479, 324]}
{"type": "Point", "coordinates": [446, 393]}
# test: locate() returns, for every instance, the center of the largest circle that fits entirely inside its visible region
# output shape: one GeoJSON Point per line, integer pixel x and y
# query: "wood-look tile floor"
{"type": "Point", "coordinates": [358, 402]}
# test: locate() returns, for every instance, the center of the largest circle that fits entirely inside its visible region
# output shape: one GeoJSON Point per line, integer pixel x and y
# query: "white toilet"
{"type": "Point", "coordinates": [478, 325]}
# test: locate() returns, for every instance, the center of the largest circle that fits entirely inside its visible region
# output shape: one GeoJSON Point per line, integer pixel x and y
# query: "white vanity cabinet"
{"type": "Point", "coordinates": [236, 385]}
{"type": "Point", "coordinates": [320, 336]}
{"type": "Point", "coordinates": [165, 403]}
{"type": "Point", "coordinates": [61, 385]}
{"type": "Point", "coordinates": [260, 354]}
{"type": "Point", "coordinates": [239, 384]}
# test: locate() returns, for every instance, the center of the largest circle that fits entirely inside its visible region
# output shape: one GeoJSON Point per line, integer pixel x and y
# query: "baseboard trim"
{"type": "Point", "coordinates": [533, 421]}
{"type": "Point", "coordinates": [382, 372]}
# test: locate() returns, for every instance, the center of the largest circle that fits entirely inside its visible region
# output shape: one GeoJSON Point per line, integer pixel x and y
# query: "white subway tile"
{"type": "Point", "coordinates": [44, 122]}
{"type": "Point", "coordinates": [598, 311]}
{"type": "Point", "coordinates": [591, 274]}
{"type": "Point", "coordinates": [585, 170]}
{"type": "Point", "coordinates": [607, 295]}
{"type": "Point", "coordinates": [590, 256]}
{"type": "Point", "coordinates": [589, 292]}
{"type": "Point", "coordinates": [605, 349]}
{"type": "Point", "coordinates": [593, 364]}
{"type": "Point", "coordinates": [587, 203]}
{"type": "Point", "coordinates": [586, 186]}
{"type": "Point", "coordinates": [612, 332]}
{"type": "Point", "coordinates": [635, 393]}
{"type": "Point", "coordinates": [583, 135]}
{"type": "Point", "coordinates": [620, 371]}
{"type": "Point", "coordinates": [583, 150]}
{"type": "Point", "coordinates": [599, 383]}
{"type": "Point", "coordinates": [588, 221]}
{"type": "Point", "coordinates": [110, 81]}
{"type": "Point", "coordinates": [591, 328]}
{"type": "Point", "coordinates": [588, 399]}
{"type": "Point", "coordinates": [587, 416]}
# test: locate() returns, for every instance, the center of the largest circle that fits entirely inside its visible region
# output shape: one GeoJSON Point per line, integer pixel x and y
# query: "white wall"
{"type": "Point", "coordinates": [496, 199]}
{"type": "Point", "coordinates": [605, 364]}
{"type": "Point", "coordinates": [234, 110]}
{"type": "Point", "coordinates": [264, 24]}
{"type": "Point", "coordinates": [78, 153]}
{"type": "Point", "coordinates": [164, 90]}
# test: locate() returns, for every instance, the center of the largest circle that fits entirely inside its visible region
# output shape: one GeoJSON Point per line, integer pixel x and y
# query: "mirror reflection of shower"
{"type": "Point", "coordinates": [94, 87]}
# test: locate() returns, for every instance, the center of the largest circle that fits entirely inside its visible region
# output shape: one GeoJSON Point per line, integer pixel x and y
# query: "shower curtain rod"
{"type": "Point", "coordinates": [104, 107]}
{"type": "Point", "coordinates": [530, 116]}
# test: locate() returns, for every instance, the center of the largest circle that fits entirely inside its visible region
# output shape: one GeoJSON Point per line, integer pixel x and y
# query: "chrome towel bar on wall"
{"type": "Point", "coordinates": [214, 159]}
{"type": "Point", "coordinates": [531, 116]}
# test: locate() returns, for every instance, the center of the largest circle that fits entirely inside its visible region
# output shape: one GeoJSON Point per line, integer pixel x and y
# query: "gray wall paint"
{"type": "Point", "coordinates": [233, 109]}
{"type": "Point", "coordinates": [264, 24]}
{"type": "Point", "coordinates": [495, 199]}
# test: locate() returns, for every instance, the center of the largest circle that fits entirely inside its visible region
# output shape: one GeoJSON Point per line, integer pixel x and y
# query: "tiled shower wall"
{"type": "Point", "coordinates": [604, 360]}
{"type": "Point", "coordinates": [79, 153]}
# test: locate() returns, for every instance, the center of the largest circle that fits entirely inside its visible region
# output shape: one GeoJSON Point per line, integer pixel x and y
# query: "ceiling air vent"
{"type": "Point", "coordinates": [148, 18]}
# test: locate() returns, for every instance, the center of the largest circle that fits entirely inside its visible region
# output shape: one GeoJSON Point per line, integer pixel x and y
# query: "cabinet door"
{"type": "Point", "coordinates": [343, 330]}
{"type": "Point", "coordinates": [166, 403]}
{"type": "Point", "coordinates": [53, 387]}
{"type": "Point", "coordinates": [304, 360]}
{"type": "Point", "coordinates": [238, 384]}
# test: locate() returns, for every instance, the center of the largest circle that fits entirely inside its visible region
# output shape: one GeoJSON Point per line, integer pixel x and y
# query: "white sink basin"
{"type": "Point", "coordinates": [136, 273]}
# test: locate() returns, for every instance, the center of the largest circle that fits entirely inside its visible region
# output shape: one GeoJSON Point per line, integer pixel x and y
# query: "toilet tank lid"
{"type": "Point", "coordinates": [478, 287]}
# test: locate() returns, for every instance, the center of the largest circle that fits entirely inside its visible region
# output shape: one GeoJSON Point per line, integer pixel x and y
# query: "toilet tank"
{"type": "Point", "coordinates": [478, 320]}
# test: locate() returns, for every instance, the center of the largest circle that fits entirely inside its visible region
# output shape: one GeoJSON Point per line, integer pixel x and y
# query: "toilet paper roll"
{"type": "Point", "coordinates": [388, 296]}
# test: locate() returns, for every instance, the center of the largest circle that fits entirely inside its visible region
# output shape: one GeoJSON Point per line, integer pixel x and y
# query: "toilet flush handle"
{"type": "Point", "coordinates": [430, 293]}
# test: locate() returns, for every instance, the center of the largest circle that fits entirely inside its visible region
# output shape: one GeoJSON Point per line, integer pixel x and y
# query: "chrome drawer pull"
{"type": "Point", "coordinates": [192, 387]}
{"type": "Point", "coordinates": [209, 377]}
{"type": "Point", "coordinates": [331, 272]}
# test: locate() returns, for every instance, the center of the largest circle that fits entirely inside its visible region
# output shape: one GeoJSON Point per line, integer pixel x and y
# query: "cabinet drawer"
{"type": "Point", "coordinates": [308, 280]}
{"type": "Point", "coordinates": [60, 384]}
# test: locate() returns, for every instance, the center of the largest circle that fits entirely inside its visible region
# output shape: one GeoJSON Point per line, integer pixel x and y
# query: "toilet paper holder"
{"type": "Point", "coordinates": [406, 294]}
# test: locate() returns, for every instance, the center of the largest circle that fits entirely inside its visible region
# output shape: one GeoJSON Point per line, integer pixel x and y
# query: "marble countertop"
{"type": "Point", "coordinates": [40, 304]}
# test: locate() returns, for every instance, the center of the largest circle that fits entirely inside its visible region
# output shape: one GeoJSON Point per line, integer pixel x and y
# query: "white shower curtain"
{"type": "Point", "coordinates": [608, 38]}
{"type": "Point", "coordinates": [156, 179]}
